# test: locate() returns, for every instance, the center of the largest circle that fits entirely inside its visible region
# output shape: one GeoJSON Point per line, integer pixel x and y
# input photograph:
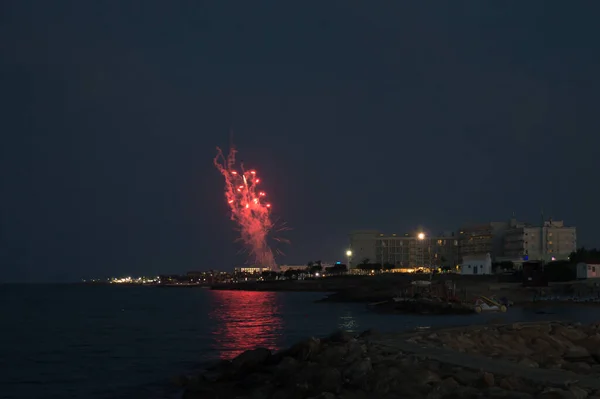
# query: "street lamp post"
{"type": "Point", "coordinates": [349, 256]}
{"type": "Point", "coordinates": [421, 237]}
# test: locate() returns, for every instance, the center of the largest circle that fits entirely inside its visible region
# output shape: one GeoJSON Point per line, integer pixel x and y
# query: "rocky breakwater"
{"type": "Point", "coordinates": [346, 367]}
{"type": "Point", "coordinates": [558, 346]}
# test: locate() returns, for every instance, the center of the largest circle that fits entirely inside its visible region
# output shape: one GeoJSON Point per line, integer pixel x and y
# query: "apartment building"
{"type": "Point", "coordinates": [485, 238]}
{"type": "Point", "coordinates": [409, 250]}
{"type": "Point", "coordinates": [509, 240]}
{"type": "Point", "coordinates": [551, 241]}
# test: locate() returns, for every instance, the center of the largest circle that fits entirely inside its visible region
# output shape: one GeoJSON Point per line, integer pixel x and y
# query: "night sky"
{"type": "Point", "coordinates": [379, 115]}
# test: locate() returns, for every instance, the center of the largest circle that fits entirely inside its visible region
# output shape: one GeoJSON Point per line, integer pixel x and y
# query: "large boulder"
{"type": "Point", "coordinates": [357, 372]}
{"type": "Point", "coordinates": [577, 353]}
{"type": "Point", "coordinates": [251, 359]}
{"type": "Point", "coordinates": [569, 332]}
{"type": "Point", "coordinates": [333, 355]}
{"type": "Point", "coordinates": [304, 350]}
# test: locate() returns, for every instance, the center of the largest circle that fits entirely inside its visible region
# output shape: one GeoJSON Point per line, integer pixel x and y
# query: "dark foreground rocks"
{"type": "Point", "coordinates": [343, 366]}
{"type": "Point", "coordinates": [565, 346]}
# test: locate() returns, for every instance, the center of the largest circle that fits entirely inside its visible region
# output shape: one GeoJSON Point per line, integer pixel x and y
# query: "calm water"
{"type": "Point", "coordinates": [73, 341]}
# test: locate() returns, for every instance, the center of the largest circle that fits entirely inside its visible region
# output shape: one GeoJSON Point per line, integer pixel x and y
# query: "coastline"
{"type": "Point", "coordinates": [381, 289]}
{"type": "Point", "coordinates": [521, 360]}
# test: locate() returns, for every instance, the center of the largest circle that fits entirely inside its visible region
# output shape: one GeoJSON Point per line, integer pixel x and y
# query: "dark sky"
{"type": "Point", "coordinates": [385, 115]}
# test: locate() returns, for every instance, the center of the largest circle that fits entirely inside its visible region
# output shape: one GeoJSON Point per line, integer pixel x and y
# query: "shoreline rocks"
{"type": "Point", "coordinates": [553, 345]}
{"type": "Point", "coordinates": [344, 366]}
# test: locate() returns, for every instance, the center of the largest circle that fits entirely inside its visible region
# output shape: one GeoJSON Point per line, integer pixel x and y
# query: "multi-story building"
{"type": "Point", "coordinates": [551, 241]}
{"type": "Point", "coordinates": [405, 250]}
{"type": "Point", "coordinates": [488, 238]}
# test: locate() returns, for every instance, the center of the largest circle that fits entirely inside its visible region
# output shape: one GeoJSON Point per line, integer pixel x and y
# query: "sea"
{"type": "Point", "coordinates": [97, 342]}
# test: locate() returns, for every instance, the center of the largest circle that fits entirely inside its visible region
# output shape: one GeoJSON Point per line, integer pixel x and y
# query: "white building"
{"type": "Point", "coordinates": [586, 270]}
{"type": "Point", "coordinates": [476, 265]}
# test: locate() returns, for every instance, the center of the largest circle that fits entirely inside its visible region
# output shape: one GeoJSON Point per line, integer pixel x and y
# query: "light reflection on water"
{"type": "Point", "coordinates": [244, 320]}
{"type": "Point", "coordinates": [347, 322]}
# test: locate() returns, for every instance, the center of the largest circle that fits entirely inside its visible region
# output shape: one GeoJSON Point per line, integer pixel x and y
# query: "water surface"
{"type": "Point", "coordinates": [75, 341]}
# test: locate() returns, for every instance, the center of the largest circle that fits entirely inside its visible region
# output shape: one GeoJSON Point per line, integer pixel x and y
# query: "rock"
{"type": "Point", "coordinates": [528, 363]}
{"type": "Point", "coordinates": [286, 365]}
{"type": "Point", "coordinates": [512, 383]}
{"type": "Point", "coordinates": [529, 333]}
{"type": "Point", "coordinates": [356, 373]}
{"type": "Point", "coordinates": [425, 377]}
{"type": "Point", "coordinates": [578, 367]}
{"type": "Point", "coordinates": [287, 394]}
{"type": "Point", "coordinates": [570, 333]}
{"type": "Point", "coordinates": [368, 333]}
{"type": "Point", "coordinates": [495, 392]}
{"type": "Point", "coordinates": [465, 377]}
{"type": "Point", "coordinates": [550, 362]}
{"type": "Point", "coordinates": [304, 350]}
{"type": "Point", "coordinates": [488, 379]}
{"type": "Point", "coordinates": [464, 393]}
{"type": "Point", "coordinates": [577, 352]}
{"type": "Point", "coordinates": [332, 355]}
{"type": "Point", "coordinates": [324, 395]}
{"type": "Point", "coordinates": [201, 395]}
{"type": "Point", "coordinates": [446, 389]}
{"type": "Point", "coordinates": [518, 395]}
{"type": "Point", "coordinates": [354, 351]}
{"type": "Point", "coordinates": [255, 380]}
{"type": "Point", "coordinates": [251, 359]}
{"type": "Point", "coordinates": [198, 389]}
{"type": "Point", "coordinates": [449, 384]}
{"type": "Point", "coordinates": [385, 379]}
{"type": "Point", "coordinates": [555, 393]}
{"type": "Point", "coordinates": [329, 380]}
{"type": "Point", "coordinates": [579, 393]}
{"type": "Point", "coordinates": [306, 378]}
{"type": "Point", "coordinates": [558, 343]}
{"type": "Point", "coordinates": [220, 371]}
{"type": "Point", "coordinates": [339, 337]}
{"type": "Point", "coordinates": [353, 394]}
{"type": "Point", "coordinates": [559, 393]}
{"type": "Point", "coordinates": [262, 392]}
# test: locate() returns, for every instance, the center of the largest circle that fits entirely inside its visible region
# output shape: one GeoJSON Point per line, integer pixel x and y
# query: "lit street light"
{"type": "Point", "coordinates": [349, 256]}
{"type": "Point", "coordinates": [421, 237]}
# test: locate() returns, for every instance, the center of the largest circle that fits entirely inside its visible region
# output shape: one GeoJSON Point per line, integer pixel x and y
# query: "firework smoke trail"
{"type": "Point", "coordinates": [249, 208]}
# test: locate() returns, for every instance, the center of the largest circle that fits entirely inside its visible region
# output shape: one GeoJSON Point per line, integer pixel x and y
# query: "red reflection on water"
{"type": "Point", "coordinates": [245, 320]}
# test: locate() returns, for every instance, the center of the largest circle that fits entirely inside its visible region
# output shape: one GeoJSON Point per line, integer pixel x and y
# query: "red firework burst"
{"type": "Point", "coordinates": [249, 206]}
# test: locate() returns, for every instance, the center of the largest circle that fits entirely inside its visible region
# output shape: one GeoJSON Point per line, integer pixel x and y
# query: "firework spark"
{"type": "Point", "coordinates": [249, 207]}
